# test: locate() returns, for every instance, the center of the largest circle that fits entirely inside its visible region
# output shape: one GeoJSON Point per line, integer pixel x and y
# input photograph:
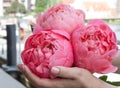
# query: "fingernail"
{"type": "Point", "coordinates": [55, 70]}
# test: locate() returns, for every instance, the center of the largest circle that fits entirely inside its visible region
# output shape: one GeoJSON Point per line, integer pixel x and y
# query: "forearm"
{"type": "Point", "coordinates": [116, 62]}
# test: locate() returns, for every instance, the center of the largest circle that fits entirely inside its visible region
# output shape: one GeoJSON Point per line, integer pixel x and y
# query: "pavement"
{"type": "Point", "coordinates": [7, 81]}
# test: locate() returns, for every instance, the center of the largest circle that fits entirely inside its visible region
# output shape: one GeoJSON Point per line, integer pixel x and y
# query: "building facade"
{"type": "Point", "coordinates": [97, 8]}
{"type": "Point", "coordinates": [118, 7]}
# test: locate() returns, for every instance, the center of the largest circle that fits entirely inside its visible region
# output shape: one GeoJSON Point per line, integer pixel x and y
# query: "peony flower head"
{"type": "Point", "coordinates": [45, 49]}
{"type": "Point", "coordinates": [61, 17]}
{"type": "Point", "coordinates": [94, 47]}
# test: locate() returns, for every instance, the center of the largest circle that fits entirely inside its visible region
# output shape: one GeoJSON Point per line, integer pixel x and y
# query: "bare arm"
{"type": "Point", "coordinates": [116, 62]}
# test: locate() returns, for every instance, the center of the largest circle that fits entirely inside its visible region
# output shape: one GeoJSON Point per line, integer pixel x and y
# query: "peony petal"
{"type": "Point", "coordinates": [62, 33]}
{"type": "Point", "coordinates": [111, 68]}
{"type": "Point", "coordinates": [46, 49]}
{"type": "Point", "coordinates": [59, 17]}
{"type": "Point", "coordinates": [94, 47]}
{"type": "Point", "coordinates": [37, 29]}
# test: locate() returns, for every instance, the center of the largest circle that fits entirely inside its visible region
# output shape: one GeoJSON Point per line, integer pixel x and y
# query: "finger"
{"type": "Point", "coordinates": [65, 72]}
{"type": "Point", "coordinates": [35, 80]}
{"type": "Point", "coordinates": [64, 83]}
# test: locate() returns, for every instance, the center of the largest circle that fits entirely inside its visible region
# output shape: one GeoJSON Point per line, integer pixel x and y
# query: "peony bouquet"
{"type": "Point", "coordinates": [61, 38]}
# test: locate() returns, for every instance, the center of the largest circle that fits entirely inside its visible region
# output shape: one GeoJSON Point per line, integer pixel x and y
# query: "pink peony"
{"type": "Point", "coordinates": [45, 49]}
{"type": "Point", "coordinates": [61, 17]}
{"type": "Point", "coordinates": [94, 47]}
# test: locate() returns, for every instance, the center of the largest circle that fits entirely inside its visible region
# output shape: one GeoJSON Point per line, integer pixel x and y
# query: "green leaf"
{"type": "Point", "coordinates": [104, 78]}
{"type": "Point", "coordinates": [114, 83]}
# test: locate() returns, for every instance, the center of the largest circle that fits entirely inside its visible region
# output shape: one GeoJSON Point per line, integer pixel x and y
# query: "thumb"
{"type": "Point", "coordinates": [65, 72]}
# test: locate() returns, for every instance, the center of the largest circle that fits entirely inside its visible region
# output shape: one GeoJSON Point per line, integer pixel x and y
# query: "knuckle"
{"type": "Point", "coordinates": [78, 71]}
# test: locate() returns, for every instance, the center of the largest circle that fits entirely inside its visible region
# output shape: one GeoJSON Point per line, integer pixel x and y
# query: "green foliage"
{"type": "Point", "coordinates": [114, 83]}
{"type": "Point", "coordinates": [104, 78]}
{"type": "Point", "coordinates": [16, 7]}
{"type": "Point", "coordinates": [42, 5]}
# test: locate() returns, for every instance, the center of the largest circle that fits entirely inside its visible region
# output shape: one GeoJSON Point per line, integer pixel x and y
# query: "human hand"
{"type": "Point", "coordinates": [68, 78]}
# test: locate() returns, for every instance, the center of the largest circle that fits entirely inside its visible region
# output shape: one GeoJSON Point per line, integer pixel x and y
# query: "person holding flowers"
{"type": "Point", "coordinates": [63, 52]}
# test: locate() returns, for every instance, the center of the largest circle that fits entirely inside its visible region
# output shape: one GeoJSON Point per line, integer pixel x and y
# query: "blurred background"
{"type": "Point", "coordinates": [19, 14]}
